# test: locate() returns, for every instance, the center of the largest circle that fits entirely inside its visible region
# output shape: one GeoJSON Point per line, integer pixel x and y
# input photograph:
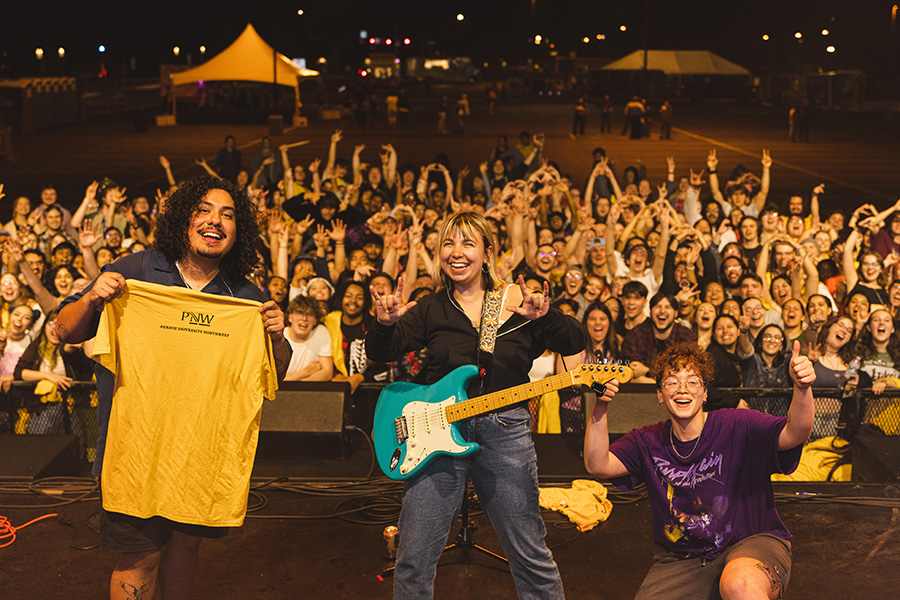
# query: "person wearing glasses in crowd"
{"type": "Point", "coordinates": [708, 477]}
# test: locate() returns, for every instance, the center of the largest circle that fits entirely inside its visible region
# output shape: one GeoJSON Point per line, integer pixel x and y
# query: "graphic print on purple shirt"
{"type": "Point", "coordinates": [721, 493]}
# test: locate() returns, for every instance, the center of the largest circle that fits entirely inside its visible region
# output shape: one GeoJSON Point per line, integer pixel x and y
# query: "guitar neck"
{"type": "Point", "coordinates": [496, 400]}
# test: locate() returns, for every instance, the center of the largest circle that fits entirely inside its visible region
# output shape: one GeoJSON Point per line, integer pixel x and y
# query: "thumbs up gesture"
{"type": "Point", "coordinates": [801, 369]}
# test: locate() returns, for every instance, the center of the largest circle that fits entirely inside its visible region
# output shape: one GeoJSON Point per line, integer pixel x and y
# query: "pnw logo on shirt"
{"type": "Point", "coordinates": [197, 318]}
{"type": "Point", "coordinates": [190, 319]}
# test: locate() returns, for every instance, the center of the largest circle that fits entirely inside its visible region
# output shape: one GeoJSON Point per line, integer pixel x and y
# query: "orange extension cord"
{"type": "Point", "coordinates": [8, 531]}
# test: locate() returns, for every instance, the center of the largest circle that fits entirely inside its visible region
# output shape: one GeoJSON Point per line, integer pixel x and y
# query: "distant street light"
{"type": "Point", "coordinates": [601, 36]}
{"type": "Point", "coordinates": [765, 37]}
{"type": "Point", "coordinates": [798, 35]}
{"type": "Point", "coordinates": [61, 51]}
{"type": "Point", "coordinates": [830, 49]}
{"type": "Point", "coordinates": [407, 41]}
{"type": "Point", "coordinates": [300, 13]}
{"type": "Point", "coordinates": [176, 50]}
{"type": "Point", "coordinates": [101, 48]}
{"type": "Point", "coordinates": [202, 49]}
{"type": "Point", "coordinates": [585, 39]}
{"type": "Point", "coordinates": [460, 17]}
{"type": "Point", "coordinates": [537, 40]}
{"type": "Point", "coordinates": [622, 28]}
{"type": "Point", "coordinates": [39, 53]}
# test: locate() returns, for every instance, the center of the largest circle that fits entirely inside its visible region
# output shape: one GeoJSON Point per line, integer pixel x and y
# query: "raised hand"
{"type": "Point", "coordinates": [533, 306]}
{"type": "Point", "coordinates": [670, 162]}
{"type": "Point", "coordinates": [89, 193]}
{"type": "Point", "coordinates": [819, 189]}
{"type": "Point", "coordinates": [359, 148]}
{"type": "Point", "coordinates": [164, 162]}
{"type": "Point", "coordinates": [302, 226]}
{"type": "Point", "coordinates": [801, 368]}
{"type": "Point", "coordinates": [338, 231]}
{"type": "Point", "coordinates": [711, 161]}
{"type": "Point", "coordinates": [116, 195]}
{"type": "Point", "coordinates": [766, 159]}
{"type": "Point", "coordinates": [388, 309]}
{"type": "Point", "coordinates": [87, 237]}
{"type": "Point", "coordinates": [697, 178]}
{"type": "Point", "coordinates": [336, 136]}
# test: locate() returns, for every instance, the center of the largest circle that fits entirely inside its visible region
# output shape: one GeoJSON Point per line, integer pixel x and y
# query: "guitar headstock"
{"type": "Point", "coordinates": [586, 374]}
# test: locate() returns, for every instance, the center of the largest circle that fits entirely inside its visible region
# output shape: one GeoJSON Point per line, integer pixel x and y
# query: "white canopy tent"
{"type": "Point", "coordinates": [248, 58]}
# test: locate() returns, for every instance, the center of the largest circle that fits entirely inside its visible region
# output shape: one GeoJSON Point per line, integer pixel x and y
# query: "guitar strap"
{"type": "Point", "coordinates": [490, 323]}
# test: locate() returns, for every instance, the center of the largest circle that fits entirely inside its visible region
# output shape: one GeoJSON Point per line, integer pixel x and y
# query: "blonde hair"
{"type": "Point", "coordinates": [470, 226]}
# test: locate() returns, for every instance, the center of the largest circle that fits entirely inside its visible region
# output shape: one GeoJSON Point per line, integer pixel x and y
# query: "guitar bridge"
{"type": "Point", "coordinates": [400, 427]}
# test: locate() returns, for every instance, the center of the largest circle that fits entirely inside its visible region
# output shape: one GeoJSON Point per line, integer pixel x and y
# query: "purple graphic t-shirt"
{"type": "Point", "coordinates": [721, 493]}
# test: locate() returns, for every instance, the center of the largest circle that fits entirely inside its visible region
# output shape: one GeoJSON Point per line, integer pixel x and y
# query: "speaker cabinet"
{"type": "Point", "coordinates": [30, 457]}
{"type": "Point", "coordinates": [875, 458]}
{"type": "Point", "coordinates": [305, 420]}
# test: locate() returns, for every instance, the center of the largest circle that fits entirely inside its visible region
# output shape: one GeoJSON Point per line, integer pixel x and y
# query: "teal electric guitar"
{"type": "Point", "coordinates": [414, 424]}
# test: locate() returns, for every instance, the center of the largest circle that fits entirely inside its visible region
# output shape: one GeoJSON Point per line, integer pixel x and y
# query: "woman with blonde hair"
{"type": "Point", "coordinates": [454, 324]}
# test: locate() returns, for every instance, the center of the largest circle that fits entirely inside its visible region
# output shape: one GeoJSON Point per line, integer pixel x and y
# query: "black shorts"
{"type": "Point", "coordinates": [124, 533]}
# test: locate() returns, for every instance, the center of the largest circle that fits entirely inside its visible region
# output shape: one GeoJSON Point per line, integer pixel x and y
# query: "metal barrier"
{"type": "Point", "coordinates": [75, 411]}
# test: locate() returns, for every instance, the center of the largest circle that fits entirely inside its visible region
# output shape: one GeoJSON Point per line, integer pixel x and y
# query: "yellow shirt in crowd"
{"type": "Point", "coordinates": [191, 370]}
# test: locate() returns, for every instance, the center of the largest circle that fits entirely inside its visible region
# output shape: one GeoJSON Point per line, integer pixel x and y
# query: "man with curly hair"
{"type": "Point", "coordinates": [205, 241]}
{"type": "Point", "coordinates": [708, 478]}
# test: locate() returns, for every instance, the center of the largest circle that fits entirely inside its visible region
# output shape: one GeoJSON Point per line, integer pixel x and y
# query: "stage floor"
{"type": "Point", "coordinates": [293, 545]}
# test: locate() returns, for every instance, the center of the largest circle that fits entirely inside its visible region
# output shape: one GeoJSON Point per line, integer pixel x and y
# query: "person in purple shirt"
{"type": "Point", "coordinates": [708, 478]}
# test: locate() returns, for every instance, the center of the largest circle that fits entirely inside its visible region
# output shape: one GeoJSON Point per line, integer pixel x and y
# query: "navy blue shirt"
{"type": "Point", "coordinates": [151, 266]}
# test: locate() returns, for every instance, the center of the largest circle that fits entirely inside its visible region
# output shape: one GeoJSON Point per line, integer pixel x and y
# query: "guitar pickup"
{"type": "Point", "coordinates": [402, 431]}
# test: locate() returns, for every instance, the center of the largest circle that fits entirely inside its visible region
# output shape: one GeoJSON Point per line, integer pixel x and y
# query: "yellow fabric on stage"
{"type": "Point", "coordinates": [585, 504]}
{"type": "Point", "coordinates": [816, 461]}
{"type": "Point", "coordinates": [191, 370]}
{"type": "Point", "coordinates": [548, 413]}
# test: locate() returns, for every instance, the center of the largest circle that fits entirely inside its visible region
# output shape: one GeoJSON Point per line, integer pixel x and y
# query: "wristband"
{"type": "Point", "coordinates": [712, 171]}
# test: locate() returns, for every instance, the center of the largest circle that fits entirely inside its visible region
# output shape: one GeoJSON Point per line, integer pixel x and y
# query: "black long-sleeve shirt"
{"type": "Point", "coordinates": [438, 324]}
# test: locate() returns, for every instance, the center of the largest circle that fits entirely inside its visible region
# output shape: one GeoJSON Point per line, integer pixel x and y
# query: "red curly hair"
{"type": "Point", "coordinates": [686, 355]}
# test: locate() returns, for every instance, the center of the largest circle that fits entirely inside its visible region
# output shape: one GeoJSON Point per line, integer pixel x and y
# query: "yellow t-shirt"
{"type": "Point", "coordinates": [191, 373]}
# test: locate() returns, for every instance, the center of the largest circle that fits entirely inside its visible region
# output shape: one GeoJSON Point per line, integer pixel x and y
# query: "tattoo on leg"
{"type": "Point", "coordinates": [135, 593]}
{"type": "Point", "coordinates": [771, 575]}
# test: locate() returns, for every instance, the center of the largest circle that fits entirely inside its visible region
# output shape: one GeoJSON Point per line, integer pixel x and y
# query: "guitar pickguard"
{"type": "Point", "coordinates": [427, 432]}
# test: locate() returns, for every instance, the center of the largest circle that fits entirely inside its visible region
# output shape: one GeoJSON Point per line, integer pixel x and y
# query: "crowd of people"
{"type": "Point", "coordinates": [387, 270]}
{"type": "Point", "coordinates": [703, 256]}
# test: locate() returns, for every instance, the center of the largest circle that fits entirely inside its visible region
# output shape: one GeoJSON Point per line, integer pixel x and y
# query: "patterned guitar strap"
{"type": "Point", "coordinates": [490, 323]}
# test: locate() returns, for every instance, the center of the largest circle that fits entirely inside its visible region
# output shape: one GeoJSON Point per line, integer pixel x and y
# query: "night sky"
{"type": "Point", "coordinates": [141, 35]}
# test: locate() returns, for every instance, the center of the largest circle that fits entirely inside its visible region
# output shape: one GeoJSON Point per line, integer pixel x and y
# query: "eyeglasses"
{"type": "Point", "coordinates": [574, 276]}
{"type": "Point", "coordinates": [871, 264]}
{"type": "Point", "coordinates": [546, 254]}
{"type": "Point", "coordinates": [772, 338]}
{"type": "Point", "coordinates": [671, 386]}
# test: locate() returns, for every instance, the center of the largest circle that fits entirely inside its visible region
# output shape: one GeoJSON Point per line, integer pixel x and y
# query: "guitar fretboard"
{"type": "Point", "coordinates": [482, 404]}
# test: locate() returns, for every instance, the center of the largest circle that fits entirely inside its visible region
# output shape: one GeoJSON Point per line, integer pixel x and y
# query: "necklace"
{"type": "Point", "coordinates": [696, 443]}
{"type": "Point", "coordinates": [188, 286]}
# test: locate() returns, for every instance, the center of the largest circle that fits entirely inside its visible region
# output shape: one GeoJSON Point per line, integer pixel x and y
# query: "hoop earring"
{"type": "Point", "coordinates": [485, 268]}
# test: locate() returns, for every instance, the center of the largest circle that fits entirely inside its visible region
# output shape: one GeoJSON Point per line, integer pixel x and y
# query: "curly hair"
{"type": "Point", "coordinates": [174, 222]}
{"type": "Point", "coordinates": [304, 305]}
{"type": "Point", "coordinates": [686, 355]}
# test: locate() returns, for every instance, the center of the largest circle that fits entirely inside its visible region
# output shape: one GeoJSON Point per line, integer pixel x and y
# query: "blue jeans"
{"type": "Point", "coordinates": [504, 472]}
